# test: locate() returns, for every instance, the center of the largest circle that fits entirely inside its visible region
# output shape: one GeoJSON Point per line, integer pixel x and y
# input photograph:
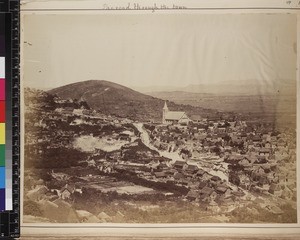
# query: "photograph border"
{"type": "Point", "coordinates": [165, 230]}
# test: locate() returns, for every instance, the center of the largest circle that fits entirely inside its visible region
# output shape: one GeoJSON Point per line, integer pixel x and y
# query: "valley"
{"type": "Point", "coordinates": [105, 163]}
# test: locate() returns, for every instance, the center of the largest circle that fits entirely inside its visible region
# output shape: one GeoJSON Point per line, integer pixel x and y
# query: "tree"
{"type": "Point", "coordinates": [227, 138]}
{"type": "Point", "coordinates": [217, 150]}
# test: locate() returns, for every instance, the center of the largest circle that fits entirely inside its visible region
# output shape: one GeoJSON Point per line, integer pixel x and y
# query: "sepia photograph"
{"type": "Point", "coordinates": [159, 118]}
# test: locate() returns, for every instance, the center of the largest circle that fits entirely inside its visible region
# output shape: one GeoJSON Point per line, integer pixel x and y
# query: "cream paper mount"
{"type": "Point", "coordinates": [159, 119]}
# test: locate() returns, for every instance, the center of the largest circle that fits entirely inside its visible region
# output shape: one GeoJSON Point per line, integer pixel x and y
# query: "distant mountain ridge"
{"type": "Point", "coordinates": [250, 87]}
{"type": "Point", "coordinates": [115, 99]}
{"type": "Point", "coordinates": [278, 105]}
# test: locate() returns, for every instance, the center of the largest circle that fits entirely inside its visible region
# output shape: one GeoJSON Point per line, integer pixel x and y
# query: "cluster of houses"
{"type": "Point", "coordinates": [259, 158]}
{"type": "Point", "coordinates": [203, 187]}
{"type": "Point", "coordinates": [56, 205]}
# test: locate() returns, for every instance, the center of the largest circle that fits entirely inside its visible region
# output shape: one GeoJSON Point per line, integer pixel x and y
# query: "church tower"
{"type": "Point", "coordinates": [165, 110]}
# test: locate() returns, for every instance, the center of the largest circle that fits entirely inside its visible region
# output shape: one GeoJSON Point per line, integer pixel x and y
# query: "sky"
{"type": "Point", "coordinates": [146, 50]}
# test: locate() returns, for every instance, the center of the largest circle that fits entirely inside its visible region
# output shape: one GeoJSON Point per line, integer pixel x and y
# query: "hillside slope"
{"type": "Point", "coordinates": [114, 99]}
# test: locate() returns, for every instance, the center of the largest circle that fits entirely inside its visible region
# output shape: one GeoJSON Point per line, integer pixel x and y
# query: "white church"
{"type": "Point", "coordinates": [171, 117]}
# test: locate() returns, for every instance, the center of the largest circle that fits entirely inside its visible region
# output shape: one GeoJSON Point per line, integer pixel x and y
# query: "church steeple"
{"type": "Point", "coordinates": [165, 110]}
{"type": "Point", "coordinates": [165, 106]}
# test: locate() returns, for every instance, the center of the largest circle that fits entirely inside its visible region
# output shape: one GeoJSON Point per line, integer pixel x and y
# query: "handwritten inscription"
{"type": "Point", "coordinates": [138, 6]}
{"type": "Point", "coordinates": [291, 3]}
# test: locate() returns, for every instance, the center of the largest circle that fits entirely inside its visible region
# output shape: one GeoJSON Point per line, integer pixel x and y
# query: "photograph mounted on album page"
{"type": "Point", "coordinates": [148, 117]}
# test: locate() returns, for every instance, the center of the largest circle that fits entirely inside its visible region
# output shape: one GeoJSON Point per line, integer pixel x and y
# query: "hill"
{"type": "Point", "coordinates": [230, 88]}
{"type": "Point", "coordinates": [242, 103]}
{"type": "Point", "coordinates": [279, 106]}
{"type": "Point", "coordinates": [117, 100]}
{"type": "Point", "coordinates": [251, 87]}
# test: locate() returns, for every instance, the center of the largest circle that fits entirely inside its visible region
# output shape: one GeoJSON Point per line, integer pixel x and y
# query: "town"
{"type": "Point", "coordinates": [93, 167]}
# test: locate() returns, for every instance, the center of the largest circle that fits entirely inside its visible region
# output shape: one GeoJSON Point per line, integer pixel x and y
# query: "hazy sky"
{"type": "Point", "coordinates": [158, 49]}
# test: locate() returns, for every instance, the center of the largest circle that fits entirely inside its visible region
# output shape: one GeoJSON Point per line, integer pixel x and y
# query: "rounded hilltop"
{"type": "Point", "coordinates": [112, 99]}
{"type": "Point", "coordinates": [117, 100]}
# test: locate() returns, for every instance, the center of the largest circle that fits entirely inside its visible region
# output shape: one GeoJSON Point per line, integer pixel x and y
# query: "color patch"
{"type": "Point", "coordinates": [2, 89]}
{"type": "Point", "coordinates": [2, 133]}
{"type": "Point", "coordinates": [2, 199]}
{"type": "Point", "coordinates": [2, 155]}
{"type": "Point", "coordinates": [2, 177]}
{"type": "Point", "coordinates": [2, 67]}
{"type": "Point", "coordinates": [2, 111]}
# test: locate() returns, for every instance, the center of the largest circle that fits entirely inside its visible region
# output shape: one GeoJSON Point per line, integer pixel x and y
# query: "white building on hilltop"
{"type": "Point", "coordinates": [170, 117]}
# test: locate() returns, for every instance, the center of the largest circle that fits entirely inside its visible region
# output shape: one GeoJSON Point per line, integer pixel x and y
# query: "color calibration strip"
{"type": "Point", "coordinates": [2, 115]}
{"type": "Point", "coordinates": [9, 120]}
{"type": "Point", "coordinates": [5, 115]}
{"type": "Point", "coordinates": [8, 115]}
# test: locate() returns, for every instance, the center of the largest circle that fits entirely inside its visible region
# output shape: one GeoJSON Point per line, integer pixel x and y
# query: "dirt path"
{"type": "Point", "coordinates": [146, 140]}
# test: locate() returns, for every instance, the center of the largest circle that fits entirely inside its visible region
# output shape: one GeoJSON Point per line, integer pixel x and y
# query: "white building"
{"type": "Point", "coordinates": [170, 117]}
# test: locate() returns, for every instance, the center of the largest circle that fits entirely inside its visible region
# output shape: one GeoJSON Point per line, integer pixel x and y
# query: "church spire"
{"type": "Point", "coordinates": [165, 106]}
{"type": "Point", "coordinates": [165, 110]}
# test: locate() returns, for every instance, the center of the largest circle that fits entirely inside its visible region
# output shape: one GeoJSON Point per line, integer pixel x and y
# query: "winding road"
{"type": "Point", "coordinates": [174, 156]}
{"type": "Point", "coordinates": [146, 140]}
